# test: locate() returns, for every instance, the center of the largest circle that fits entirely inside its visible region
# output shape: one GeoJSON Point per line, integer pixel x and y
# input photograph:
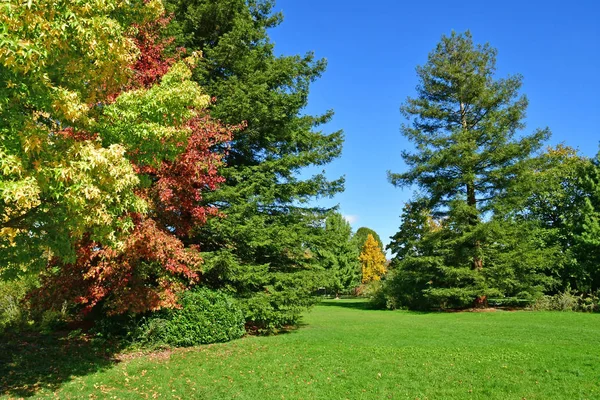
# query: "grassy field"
{"type": "Point", "coordinates": [341, 351]}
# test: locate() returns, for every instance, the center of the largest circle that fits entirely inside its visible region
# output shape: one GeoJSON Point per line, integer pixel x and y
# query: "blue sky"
{"type": "Point", "coordinates": [373, 47]}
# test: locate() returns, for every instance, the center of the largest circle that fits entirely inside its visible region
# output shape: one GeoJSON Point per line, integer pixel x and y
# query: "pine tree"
{"type": "Point", "coordinates": [261, 251]}
{"type": "Point", "coordinates": [372, 261]}
{"type": "Point", "coordinates": [339, 255]}
{"type": "Point", "coordinates": [468, 161]}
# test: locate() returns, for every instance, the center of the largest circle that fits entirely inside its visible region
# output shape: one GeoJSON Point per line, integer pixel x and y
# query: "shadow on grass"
{"type": "Point", "coordinates": [30, 362]}
{"type": "Point", "coordinates": [357, 304]}
{"type": "Point", "coordinates": [364, 304]}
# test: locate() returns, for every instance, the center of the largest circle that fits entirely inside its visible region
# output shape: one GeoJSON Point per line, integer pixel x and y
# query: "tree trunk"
{"type": "Point", "coordinates": [477, 262]}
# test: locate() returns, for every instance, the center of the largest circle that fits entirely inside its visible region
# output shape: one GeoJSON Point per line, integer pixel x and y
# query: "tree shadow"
{"type": "Point", "coordinates": [362, 304]}
{"type": "Point", "coordinates": [30, 362]}
{"type": "Point", "coordinates": [357, 304]}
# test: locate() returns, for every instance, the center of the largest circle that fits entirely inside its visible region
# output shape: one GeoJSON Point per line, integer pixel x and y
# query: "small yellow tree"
{"type": "Point", "coordinates": [372, 260]}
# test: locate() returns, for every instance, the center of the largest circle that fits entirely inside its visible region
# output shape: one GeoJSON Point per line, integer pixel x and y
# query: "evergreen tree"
{"type": "Point", "coordinates": [372, 261]}
{"type": "Point", "coordinates": [587, 227]}
{"type": "Point", "coordinates": [416, 223]}
{"type": "Point", "coordinates": [339, 255]}
{"type": "Point", "coordinates": [468, 162]}
{"type": "Point", "coordinates": [361, 235]}
{"type": "Point", "coordinates": [261, 250]}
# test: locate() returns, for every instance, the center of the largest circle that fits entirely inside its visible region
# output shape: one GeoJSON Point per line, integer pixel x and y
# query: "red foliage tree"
{"type": "Point", "coordinates": [154, 265]}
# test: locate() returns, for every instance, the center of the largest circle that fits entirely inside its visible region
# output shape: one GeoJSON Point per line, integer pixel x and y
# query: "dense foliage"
{"type": "Point", "coordinates": [587, 228]}
{"type": "Point", "coordinates": [205, 317]}
{"type": "Point", "coordinates": [261, 251]}
{"type": "Point", "coordinates": [102, 183]}
{"type": "Point", "coordinates": [338, 255]}
{"type": "Point", "coordinates": [372, 261]}
{"type": "Point", "coordinates": [361, 235]}
{"type": "Point", "coordinates": [471, 168]}
{"type": "Point", "coordinates": [57, 181]}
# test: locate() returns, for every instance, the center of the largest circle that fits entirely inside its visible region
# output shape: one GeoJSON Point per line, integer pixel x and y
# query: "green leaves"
{"type": "Point", "coordinates": [264, 248]}
{"type": "Point", "coordinates": [456, 246]}
{"type": "Point", "coordinates": [463, 126]}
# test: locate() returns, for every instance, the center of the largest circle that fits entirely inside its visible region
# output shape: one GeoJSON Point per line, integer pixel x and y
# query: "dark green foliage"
{"type": "Point", "coordinates": [553, 199]}
{"type": "Point", "coordinates": [205, 316]}
{"type": "Point", "coordinates": [440, 273]}
{"type": "Point", "coordinates": [459, 243]}
{"type": "Point", "coordinates": [416, 223]}
{"type": "Point", "coordinates": [587, 227]}
{"type": "Point", "coordinates": [361, 235]}
{"type": "Point", "coordinates": [338, 255]}
{"type": "Point", "coordinates": [464, 124]}
{"type": "Point", "coordinates": [260, 251]}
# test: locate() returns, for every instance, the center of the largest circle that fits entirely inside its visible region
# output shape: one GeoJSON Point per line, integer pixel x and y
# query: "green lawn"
{"type": "Point", "coordinates": [341, 351]}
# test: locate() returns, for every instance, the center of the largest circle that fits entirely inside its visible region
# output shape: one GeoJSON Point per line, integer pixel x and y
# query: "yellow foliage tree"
{"type": "Point", "coordinates": [372, 260]}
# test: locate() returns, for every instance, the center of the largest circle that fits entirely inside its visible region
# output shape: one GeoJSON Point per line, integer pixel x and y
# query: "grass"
{"type": "Point", "coordinates": [343, 350]}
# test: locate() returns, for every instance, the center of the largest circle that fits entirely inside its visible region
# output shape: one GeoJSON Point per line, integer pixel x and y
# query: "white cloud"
{"type": "Point", "coordinates": [351, 218]}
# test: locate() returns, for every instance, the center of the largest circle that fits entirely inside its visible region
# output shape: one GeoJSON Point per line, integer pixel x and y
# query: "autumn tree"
{"type": "Point", "coordinates": [57, 180]}
{"type": "Point", "coordinates": [261, 251]}
{"type": "Point", "coordinates": [373, 261]}
{"type": "Point", "coordinates": [468, 162]}
{"type": "Point", "coordinates": [121, 158]}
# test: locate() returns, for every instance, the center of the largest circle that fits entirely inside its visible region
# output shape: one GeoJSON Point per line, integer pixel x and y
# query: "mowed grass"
{"type": "Point", "coordinates": [344, 351]}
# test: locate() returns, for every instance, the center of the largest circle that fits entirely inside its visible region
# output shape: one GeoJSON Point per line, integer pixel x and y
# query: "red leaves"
{"type": "Point", "coordinates": [152, 63]}
{"type": "Point", "coordinates": [153, 266]}
{"type": "Point", "coordinates": [179, 185]}
{"type": "Point", "coordinates": [148, 274]}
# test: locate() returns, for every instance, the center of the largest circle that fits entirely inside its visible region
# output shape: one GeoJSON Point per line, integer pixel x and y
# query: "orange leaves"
{"type": "Point", "coordinates": [153, 268]}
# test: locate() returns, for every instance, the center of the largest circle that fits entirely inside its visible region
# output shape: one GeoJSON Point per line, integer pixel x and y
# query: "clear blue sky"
{"type": "Point", "coordinates": [373, 47]}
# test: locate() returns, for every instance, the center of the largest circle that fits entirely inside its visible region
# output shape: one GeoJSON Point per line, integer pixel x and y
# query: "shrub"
{"type": "Point", "coordinates": [205, 316]}
{"type": "Point", "coordinates": [13, 310]}
{"type": "Point", "coordinates": [566, 301]}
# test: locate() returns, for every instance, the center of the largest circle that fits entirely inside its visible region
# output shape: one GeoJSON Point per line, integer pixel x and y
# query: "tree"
{"type": "Point", "coordinates": [338, 254]}
{"type": "Point", "coordinates": [57, 180]}
{"type": "Point", "coordinates": [361, 235]}
{"type": "Point", "coordinates": [372, 261]}
{"type": "Point", "coordinates": [416, 224]}
{"type": "Point", "coordinates": [554, 199]}
{"type": "Point", "coordinates": [587, 227]}
{"type": "Point", "coordinates": [155, 123]}
{"type": "Point", "coordinates": [464, 125]}
{"type": "Point", "coordinates": [468, 161]}
{"type": "Point", "coordinates": [260, 252]}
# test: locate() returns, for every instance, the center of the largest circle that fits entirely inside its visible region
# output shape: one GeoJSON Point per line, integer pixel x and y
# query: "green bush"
{"type": "Point", "coordinates": [566, 301]}
{"type": "Point", "coordinates": [13, 310]}
{"type": "Point", "coordinates": [205, 316]}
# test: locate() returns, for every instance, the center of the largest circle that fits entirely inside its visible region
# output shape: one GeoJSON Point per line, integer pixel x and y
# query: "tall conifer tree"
{"type": "Point", "coordinates": [468, 163]}
{"type": "Point", "coordinates": [261, 250]}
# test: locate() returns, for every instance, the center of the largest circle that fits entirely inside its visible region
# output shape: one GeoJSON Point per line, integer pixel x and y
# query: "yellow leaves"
{"type": "Point", "coordinates": [179, 72]}
{"type": "Point", "coordinates": [18, 197]}
{"type": "Point", "coordinates": [9, 235]}
{"type": "Point", "coordinates": [68, 106]}
{"type": "Point", "coordinates": [33, 144]}
{"type": "Point", "coordinates": [372, 260]}
{"type": "Point", "coordinates": [10, 164]}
